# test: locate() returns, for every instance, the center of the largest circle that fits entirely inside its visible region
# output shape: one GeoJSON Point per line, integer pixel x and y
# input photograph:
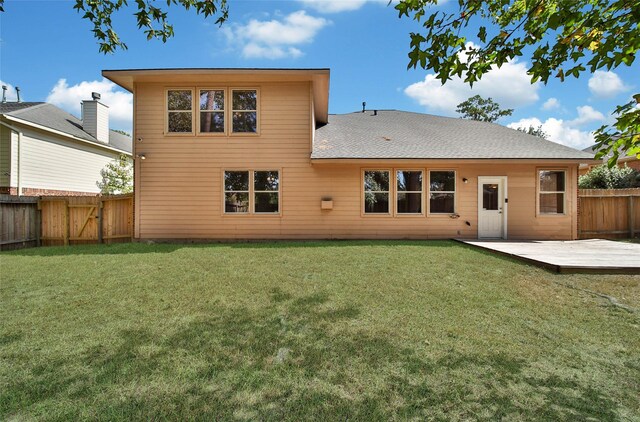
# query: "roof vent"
{"type": "Point", "coordinates": [375, 112]}
{"type": "Point", "coordinates": [364, 105]}
{"type": "Point", "coordinates": [18, 93]}
{"type": "Point", "coordinates": [4, 93]}
{"type": "Point", "coordinates": [95, 96]}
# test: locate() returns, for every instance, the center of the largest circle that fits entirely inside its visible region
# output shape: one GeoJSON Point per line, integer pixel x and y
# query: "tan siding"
{"type": "Point", "coordinates": [5, 156]}
{"type": "Point", "coordinates": [179, 185]}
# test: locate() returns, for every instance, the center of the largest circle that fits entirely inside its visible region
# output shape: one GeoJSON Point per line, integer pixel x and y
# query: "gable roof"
{"type": "Point", "coordinates": [52, 117]}
{"type": "Point", "coordinates": [392, 134]}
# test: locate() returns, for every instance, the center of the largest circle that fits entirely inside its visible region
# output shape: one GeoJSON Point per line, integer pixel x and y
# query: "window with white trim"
{"type": "Point", "coordinates": [244, 107]}
{"type": "Point", "coordinates": [180, 111]}
{"type": "Point", "coordinates": [442, 191]}
{"type": "Point", "coordinates": [552, 188]}
{"type": "Point", "coordinates": [212, 110]}
{"type": "Point", "coordinates": [409, 191]}
{"type": "Point", "coordinates": [376, 191]}
{"type": "Point", "coordinates": [266, 186]}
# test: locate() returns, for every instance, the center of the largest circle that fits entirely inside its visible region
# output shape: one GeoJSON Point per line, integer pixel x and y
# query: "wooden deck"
{"type": "Point", "coordinates": [576, 256]}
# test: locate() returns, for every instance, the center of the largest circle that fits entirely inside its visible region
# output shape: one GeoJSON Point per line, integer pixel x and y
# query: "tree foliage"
{"type": "Point", "coordinates": [484, 110]}
{"type": "Point", "coordinates": [151, 19]}
{"type": "Point", "coordinates": [535, 131]}
{"type": "Point", "coordinates": [561, 38]}
{"type": "Point", "coordinates": [605, 177]}
{"type": "Point", "coordinates": [117, 177]}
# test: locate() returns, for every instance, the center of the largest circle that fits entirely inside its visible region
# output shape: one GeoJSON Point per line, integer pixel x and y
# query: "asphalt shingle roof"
{"type": "Point", "coordinates": [50, 116]}
{"type": "Point", "coordinates": [399, 134]}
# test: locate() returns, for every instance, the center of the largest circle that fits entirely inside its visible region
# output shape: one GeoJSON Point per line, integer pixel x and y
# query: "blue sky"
{"type": "Point", "coordinates": [48, 51]}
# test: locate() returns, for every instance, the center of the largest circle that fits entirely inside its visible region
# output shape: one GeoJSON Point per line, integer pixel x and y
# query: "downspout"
{"type": "Point", "coordinates": [19, 163]}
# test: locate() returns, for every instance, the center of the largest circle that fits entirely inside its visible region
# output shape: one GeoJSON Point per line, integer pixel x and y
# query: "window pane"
{"type": "Point", "coordinates": [266, 202]}
{"type": "Point", "coordinates": [211, 121]}
{"type": "Point", "coordinates": [409, 203]}
{"type": "Point", "coordinates": [179, 100]}
{"type": "Point", "coordinates": [266, 180]}
{"type": "Point", "coordinates": [236, 180]}
{"type": "Point", "coordinates": [179, 122]}
{"type": "Point", "coordinates": [245, 122]}
{"type": "Point", "coordinates": [212, 100]}
{"type": "Point", "coordinates": [376, 203]}
{"type": "Point", "coordinates": [443, 180]}
{"type": "Point", "coordinates": [552, 203]}
{"type": "Point", "coordinates": [409, 181]}
{"type": "Point", "coordinates": [236, 202]}
{"type": "Point", "coordinates": [490, 196]}
{"type": "Point", "coordinates": [245, 100]}
{"type": "Point", "coordinates": [376, 181]}
{"type": "Point", "coordinates": [552, 181]}
{"type": "Point", "coordinates": [442, 203]}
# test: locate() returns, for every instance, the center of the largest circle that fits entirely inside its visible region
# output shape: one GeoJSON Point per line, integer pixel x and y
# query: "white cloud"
{"type": "Point", "coordinates": [587, 114]}
{"type": "Point", "coordinates": [508, 85]}
{"type": "Point", "coordinates": [334, 6]}
{"type": "Point", "coordinates": [275, 39]}
{"type": "Point", "coordinates": [120, 102]}
{"type": "Point", "coordinates": [551, 104]}
{"type": "Point", "coordinates": [11, 91]}
{"type": "Point", "coordinates": [606, 84]}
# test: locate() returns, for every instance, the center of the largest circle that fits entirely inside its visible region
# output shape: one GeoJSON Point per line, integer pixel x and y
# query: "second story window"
{"type": "Point", "coordinates": [179, 111]}
{"type": "Point", "coordinates": [244, 104]}
{"type": "Point", "coordinates": [212, 111]}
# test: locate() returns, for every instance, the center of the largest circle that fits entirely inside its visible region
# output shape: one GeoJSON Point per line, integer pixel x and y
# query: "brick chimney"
{"type": "Point", "coordinates": [95, 118]}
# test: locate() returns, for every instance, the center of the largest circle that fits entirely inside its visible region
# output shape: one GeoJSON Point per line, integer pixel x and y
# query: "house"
{"type": "Point", "coordinates": [254, 154]}
{"type": "Point", "coordinates": [624, 160]}
{"type": "Point", "coordinates": [46, 151]}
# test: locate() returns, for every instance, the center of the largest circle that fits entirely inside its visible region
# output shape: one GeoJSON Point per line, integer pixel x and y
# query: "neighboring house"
{"type": "Point", "coordinates": [254, 154]}
{"type": "Point", "coordinates": [46, 151]}
{"type": "Point", "coordinates": [629, 161]}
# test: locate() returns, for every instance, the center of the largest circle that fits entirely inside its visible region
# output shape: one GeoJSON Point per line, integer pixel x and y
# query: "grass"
{"type": "Point", "coordinates": [321, 330]}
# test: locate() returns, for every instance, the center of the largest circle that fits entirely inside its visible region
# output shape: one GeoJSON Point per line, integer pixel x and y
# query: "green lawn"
{"type": "Point", "coordinates": [321, 330]}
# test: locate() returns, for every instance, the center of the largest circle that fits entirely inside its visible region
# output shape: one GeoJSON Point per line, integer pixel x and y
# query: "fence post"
{"type": "Point", "coordinates": [67, 223]}
{"type": "Point", "coordinates": [631, 216]}
{"type": "Point", "coordinates": [38, 225]}
{"type": "Point", "coordinates": [100, 205]}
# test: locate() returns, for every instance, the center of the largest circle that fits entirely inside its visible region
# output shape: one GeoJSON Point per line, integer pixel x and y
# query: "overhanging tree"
{"type": "Point", "coordinates": [561, 38]}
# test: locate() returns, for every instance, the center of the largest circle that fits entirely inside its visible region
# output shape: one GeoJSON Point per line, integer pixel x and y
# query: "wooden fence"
{"type": "Point", "coordinates": [19, 225]}
{"type": "Point", "coordinates": [65, 220]}
{"type": "Point", "coordinates": [609, 213]}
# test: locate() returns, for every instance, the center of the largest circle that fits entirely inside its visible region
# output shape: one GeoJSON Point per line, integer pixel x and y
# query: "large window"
{"type": "Point", "coordinates": [552, 191]}
{"type": "Point", "coordinates": [244, 104]}
{"type": "Point", "coordinates": [409, 192]}
{"type": "Point", "coordinates": [266, 185]}
{"type": "Point", "coordinates": [376, 192]}
{"type": "Point", "coordinates": [262, 186]}
{"type": "Point", "coordinates": [212, 111]}
{"type": "Point", "coordinates": [442, 192]}
{"type": "Point", "coordinates": [179, 111]}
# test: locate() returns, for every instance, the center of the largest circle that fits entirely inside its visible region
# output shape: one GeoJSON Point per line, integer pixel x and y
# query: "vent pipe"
{"type": "Point", "coordinates": [18, 93]}
{"type": "Point", "coordinates": [364, 105]}
{"type": "Point", "coordinates": [4, 93]}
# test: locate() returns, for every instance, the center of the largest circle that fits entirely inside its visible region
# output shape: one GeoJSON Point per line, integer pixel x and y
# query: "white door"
{"type": "Point", "coordinates": [492, 207]}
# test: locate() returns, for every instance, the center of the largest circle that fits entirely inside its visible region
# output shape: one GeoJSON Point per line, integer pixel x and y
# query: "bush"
{"type": "Point", "coordinates": [603, 177]}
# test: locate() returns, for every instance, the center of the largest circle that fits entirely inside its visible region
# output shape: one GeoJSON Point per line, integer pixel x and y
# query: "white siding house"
{"type": "Point", "coordinates": [46, 151]}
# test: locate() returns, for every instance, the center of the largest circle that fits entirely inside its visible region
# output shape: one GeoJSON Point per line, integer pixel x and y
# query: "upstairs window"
{"type": "Point", "coordinates": [244, 104]}
{"type": "Point", "coordinates": [376, 192]}
{"type": "Point", "coordinates": [179, 111]}
{"type": "Point", "coordinates": [212, 111]}
{"type": "Point", "coordinates": [409, 192]}
{"type": "Point", "coordinates": [552, 191]}
{"type": "Point", "coordinates": [442, 192]}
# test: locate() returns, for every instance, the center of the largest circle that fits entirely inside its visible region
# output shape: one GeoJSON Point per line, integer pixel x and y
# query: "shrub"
{"type": "Point", "coordinates": [603, 177]}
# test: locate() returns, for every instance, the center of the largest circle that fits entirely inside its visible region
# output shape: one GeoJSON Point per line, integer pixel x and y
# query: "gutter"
{"type": "Point", "coordinates": [19, 175]}
{"type": "Point", "coordinates": [66, 135]}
